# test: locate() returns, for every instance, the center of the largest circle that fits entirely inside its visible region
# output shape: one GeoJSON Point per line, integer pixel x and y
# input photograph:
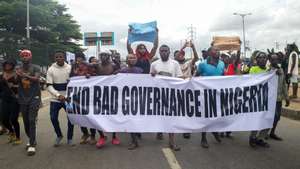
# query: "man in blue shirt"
{"type": "Point", "coordinates": [211, 66]}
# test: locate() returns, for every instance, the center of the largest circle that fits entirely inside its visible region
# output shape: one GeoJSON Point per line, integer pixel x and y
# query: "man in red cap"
{"type": "Point", "coordinates": [29, 97]}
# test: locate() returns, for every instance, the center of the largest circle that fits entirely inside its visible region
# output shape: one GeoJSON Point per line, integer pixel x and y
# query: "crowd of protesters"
{"type": "Point", "coordinates": [20, 89]}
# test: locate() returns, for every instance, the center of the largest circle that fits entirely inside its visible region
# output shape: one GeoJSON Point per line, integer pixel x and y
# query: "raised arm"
{"type": "Point", "coordinates": [184, 46]}
{"type": "Point", "coordinates": [238, 57]}
{"type": "Point", "coordinates": [129, 48]}
{"type": "Point", "coordinates": [155, 45]}
{"type": "Point", "coordinates": [196, 57]}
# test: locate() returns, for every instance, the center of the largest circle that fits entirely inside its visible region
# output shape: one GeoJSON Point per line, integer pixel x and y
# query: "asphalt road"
{"type": "Point", "coordinates": [230, 154]}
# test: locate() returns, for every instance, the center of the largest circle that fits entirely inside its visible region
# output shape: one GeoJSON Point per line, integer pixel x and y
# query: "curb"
{"type": "Point", "coordinates": [290, 113]}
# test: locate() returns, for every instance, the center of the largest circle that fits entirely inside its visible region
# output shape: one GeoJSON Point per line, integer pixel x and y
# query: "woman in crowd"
{"type": "Point", "coordinates": [143, 55]}
{"type": "Point", "coordinates": [10, 106]}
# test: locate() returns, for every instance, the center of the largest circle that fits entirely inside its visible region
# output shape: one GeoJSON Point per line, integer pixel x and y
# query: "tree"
{"type": "Point", "coordinates": [52, 28]}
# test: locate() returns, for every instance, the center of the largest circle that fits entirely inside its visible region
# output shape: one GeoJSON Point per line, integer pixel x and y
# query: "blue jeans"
{"type": "Point", "coordinates": [54, 110]}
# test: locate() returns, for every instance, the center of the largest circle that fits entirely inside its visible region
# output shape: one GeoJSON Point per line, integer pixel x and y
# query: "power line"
{"type": "Point", "coordinates": [191, 33]}
{"type": "Point", "coordinates": [191, 36]}
{"type": "Point", "coordinates": [277, 45]}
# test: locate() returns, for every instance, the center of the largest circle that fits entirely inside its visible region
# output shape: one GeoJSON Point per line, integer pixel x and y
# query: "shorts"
{"type": "Point", "coordinates": [294, 79]}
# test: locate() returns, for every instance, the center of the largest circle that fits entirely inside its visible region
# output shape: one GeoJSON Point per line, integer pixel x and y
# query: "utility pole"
{"type": "Point", "coordinates": [277, 45]}
{"type": "Point", "coordinates": [243, 22]}
{"type": "Point", "coordinates": [191, 33]}
{"type": "Point", "coordinates": [248, 45]}
{"type": "Point", "coordinates": [191, 36]}
{"type": "Point", "coordinates": [28, 26]}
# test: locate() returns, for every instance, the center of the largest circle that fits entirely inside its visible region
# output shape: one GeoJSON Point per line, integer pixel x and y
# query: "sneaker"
{"type": "Point", "coordinates": [133, 146]}
{"type": "Point", "coordinates": [174, 147]}
{"type": "Point", "coordinates": [186, 135]}
{"type": "Point", "coordinates": [58, 141]}
{"type": "Point", "coordinates": [159, 136]}
{"type": "Point", "coordinates": [27, 146]}
{"type": "Point", "coordinates": [31, 151]}
{"type": "Point", "coordinates": [204, 143]}
{"type": "Point", "coordinates": [70, 143]}
{"type": "Point", "coordinates": [84, 139]}
{"type": "Point", "coordinates": [275, 137]}
{"type": "Point", "coordinates": [11, 137]}
{"type": "Point", "coordinates": [101, 142]}
{"type": "Point", "coordinates": [115, 141]}
{"type": "Point", "coordinates": [262, 143]}
{"type": "Point", "coordinates": [17, 142]}
{"type": "Point", "coordinates": [92, 141]}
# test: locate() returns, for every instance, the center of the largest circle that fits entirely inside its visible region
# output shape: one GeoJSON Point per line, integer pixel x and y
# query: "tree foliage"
{"type": "Point", "coordinates": [52, 28]}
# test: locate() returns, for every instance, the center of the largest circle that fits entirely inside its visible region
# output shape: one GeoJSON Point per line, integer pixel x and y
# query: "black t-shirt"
{"type": "Point", "coordinates": [8, 88]}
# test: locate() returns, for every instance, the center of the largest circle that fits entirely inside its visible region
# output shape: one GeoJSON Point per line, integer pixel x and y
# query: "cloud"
{"type": "Point", "coordinates": [271, 20]}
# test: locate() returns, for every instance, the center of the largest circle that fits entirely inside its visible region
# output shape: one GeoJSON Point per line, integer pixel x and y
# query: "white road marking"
{"type": "Point", "coordinates": [173, 163]}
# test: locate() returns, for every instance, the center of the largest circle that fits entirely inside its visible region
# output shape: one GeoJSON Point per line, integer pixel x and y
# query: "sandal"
{"type": "Point", "coordinates": [174, 147]}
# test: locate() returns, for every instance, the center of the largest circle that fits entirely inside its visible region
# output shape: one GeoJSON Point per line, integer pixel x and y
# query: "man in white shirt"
{"type": "Point", "coordinates": [292, 53]}
{"type": "Point", "coordinates": [166, 67]}
{"type": "Point", "coordinates": [57, 78]}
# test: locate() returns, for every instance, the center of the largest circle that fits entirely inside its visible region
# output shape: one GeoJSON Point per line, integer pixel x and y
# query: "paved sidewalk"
{"type": "Point", "coordinates": [293, 111]}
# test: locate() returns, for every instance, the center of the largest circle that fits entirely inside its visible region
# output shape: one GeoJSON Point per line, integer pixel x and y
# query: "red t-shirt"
{"type": "Point", "coordinates": [230, 70]}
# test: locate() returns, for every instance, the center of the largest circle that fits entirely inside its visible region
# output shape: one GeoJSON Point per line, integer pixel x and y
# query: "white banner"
{"type": "Point", "coordinates": [141, 103]}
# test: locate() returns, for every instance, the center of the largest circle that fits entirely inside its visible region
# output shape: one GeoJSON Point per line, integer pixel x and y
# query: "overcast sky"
{"type": "Point", "coordinates": [271, 20]}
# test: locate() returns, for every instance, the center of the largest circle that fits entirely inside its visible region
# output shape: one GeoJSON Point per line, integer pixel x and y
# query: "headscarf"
{"type": "Point", "coordinates": [139, 55]}
{"type": "Point", "coordinates": [26, 53]}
